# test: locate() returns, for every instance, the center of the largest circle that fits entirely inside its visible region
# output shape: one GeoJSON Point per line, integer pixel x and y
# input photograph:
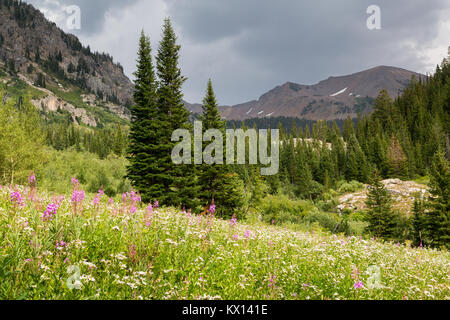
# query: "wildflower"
{"type": "Point", "coordinates": [358, 285]}
{"type": "Point", "coordinates": [110, 201]}
{"type": "Point", "coordinates": [355, 273]}
{"type": "Point", "coordinates": [96, 200]}
{"type": "Point", "coordinates": [50, 212]}
{"type": "Point", "coordinates": [233, 221]}
{"type": "Point", "coordinates": [32, 179]}
{"type": "Point", "coordinates": [156, 204]}
{"type": "Point", "coordinates": [272, 281]}
{"type": "Point", "coordinates": [101, 192]}
{"type": "Point", "coordinates": [61, 245]}
{"type": "Point", "coordinates": [16, 198]}
{"type": "Point", "coordinates": [77, 196]}
{"type": "Point", "coordinates": [150, 208]}
{"type": "Point", "coordinates": [235, 236]}
{"type": "Point", "coordinates": [75, 182]}
{"type": "Point", "coordinates": [133, 209]}
{"type": "Point", "coordinates": [212, 207]}
{"type": "Point", "coordinates": [247, 234]}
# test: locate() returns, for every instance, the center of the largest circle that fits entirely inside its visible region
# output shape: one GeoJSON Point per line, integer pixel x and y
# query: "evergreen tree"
{"type": "Point", "coordinates": [396, 160]}
{"type": "Point", "coordinates": [381, 218]}
{"type": "Point", "coordinates": [144, 152]}
{"type": "Point", "coordinates": [216, 180]}
{"type": "Point", "coordinates": [438, 205]}
{"type": "Point", "coordinates": [179, 181]}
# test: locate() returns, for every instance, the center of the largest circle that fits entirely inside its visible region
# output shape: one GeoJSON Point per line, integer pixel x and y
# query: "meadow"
{"type": "Point", "coordinates": [90, 246]}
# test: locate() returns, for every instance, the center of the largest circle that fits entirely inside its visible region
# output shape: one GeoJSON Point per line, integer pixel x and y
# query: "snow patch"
{"type": "Point", "coordinates": [261, 112]}
{"type": "Point", "coordinates": [338, 93]}
{"type": "Point", "coordinates": [268, 115]}
{"type": "Point", "coordinates": [251, 109]}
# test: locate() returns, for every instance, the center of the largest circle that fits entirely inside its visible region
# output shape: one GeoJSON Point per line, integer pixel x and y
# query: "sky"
{"type": "Point", "coordinates": [248, 47]}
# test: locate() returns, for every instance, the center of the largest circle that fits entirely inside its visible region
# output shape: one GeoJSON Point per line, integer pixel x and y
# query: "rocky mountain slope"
{"type": "Point", "coordinates": [334, 98]}
{"type": "Point", "coordinates": [403, 194]}
{"type": "Point", "coordinates": [42, 55]}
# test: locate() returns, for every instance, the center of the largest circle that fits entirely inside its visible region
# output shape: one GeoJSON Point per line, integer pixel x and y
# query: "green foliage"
{"type": "Point", "coordinates": [349, 187]}
{"type": "Point", "coordinates": [21, 141]}
{"type": "Point", "coordinates": [144, 171]}
{"type": "Point", "coordinates": [216, 181]}
{"type": "Point", "coordinates": [92, 172]}
{"type": "Point", "coordinates": [327, 220]}
{"type": "Point", "coordinates": [381, 218]}
{"type": "Point", "coordinates": [435, 219]}
{"type": "Point", "coordinates": [280, 209]}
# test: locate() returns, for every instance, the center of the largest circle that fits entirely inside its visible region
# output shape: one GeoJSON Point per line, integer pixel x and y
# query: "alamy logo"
{"type": "Point", "coordinates": [74, 20]}
{"type": "Point", "coordinates": [236, 142]}
{"type": "Point", "coordinates": [374, 20]}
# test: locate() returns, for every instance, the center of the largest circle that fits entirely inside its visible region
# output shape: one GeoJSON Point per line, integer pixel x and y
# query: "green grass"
{"type": "Point", "coordinates": [168, 254]}
{"type": "Point", "coordinates": [18, 88]}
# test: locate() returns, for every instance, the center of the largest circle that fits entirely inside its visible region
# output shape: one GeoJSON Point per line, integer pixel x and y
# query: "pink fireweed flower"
{"type": "Point", "coordinates": [75, 182]}
{"type": "Point", "coordinates": [150, 208]}
{"type": "Point", "coordinates": [101, 192]}
{"type": "Point", "coordinates": [247, 234]}
{"type": "Point", "coordinates": [355, 273]}
{"type": "Point", "coordinates": [50, 212]}
{"type": "Point", "coordinates": [358, 285]}
{"type": "Point", "coordinates": [133, 209]}
{"type": "Point", "coordinates": [233, 221]}
{"type": "Point", "coordinates": [156, 204]}
{"type": "Point", "coordinates": [235, 236]}
{"type": "Point", "coordinates": [77, 196]}
{"type": "Point", "coordinates": [110, 201]}
{"type": "Point", "coordinates": [96, 200]}
{"type": "Point", "coordinates": [272, 281]}
{"type": "Point", "coordinates": [32, 179]}
{"type": "Point", "coordinates": [61, 245]}
{"type": "Point", "coordinates": [16, 198]}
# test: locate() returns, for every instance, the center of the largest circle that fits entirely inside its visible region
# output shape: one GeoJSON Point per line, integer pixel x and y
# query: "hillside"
{"type": "Point", "coordinates": [123, 249]}
{"type": "Point", "coordinates": [334, 98]}
{"type": "Point", "coordinates": [89, 86]}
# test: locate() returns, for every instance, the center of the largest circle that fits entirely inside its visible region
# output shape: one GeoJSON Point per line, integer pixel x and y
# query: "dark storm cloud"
{"type": "Point", "coordinates": [306, 41]}
{"type": "Point", "coordinates": [92, 11]}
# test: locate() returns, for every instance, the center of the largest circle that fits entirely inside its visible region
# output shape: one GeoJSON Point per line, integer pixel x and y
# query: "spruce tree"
{"type": "Point", "coordinates": [382, 220]}
{"type": "Point", "coordinates": [144, 153]}
{"type": "Point", "coordinates": [438, 205]}
{"type": "Point", "coordinates": [179, 181]}
{"type": "Point", "coordinates": [216, 180]}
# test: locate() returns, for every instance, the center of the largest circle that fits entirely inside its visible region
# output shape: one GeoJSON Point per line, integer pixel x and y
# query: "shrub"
{"type": "Point", "coordinates": [352, 186]}
{"type": "Point", "coordinates": [281, 209]}
{"type": "Point", "coordinates": [356, 227]}
{"type": "Point", "coordinates": [326, 220]}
